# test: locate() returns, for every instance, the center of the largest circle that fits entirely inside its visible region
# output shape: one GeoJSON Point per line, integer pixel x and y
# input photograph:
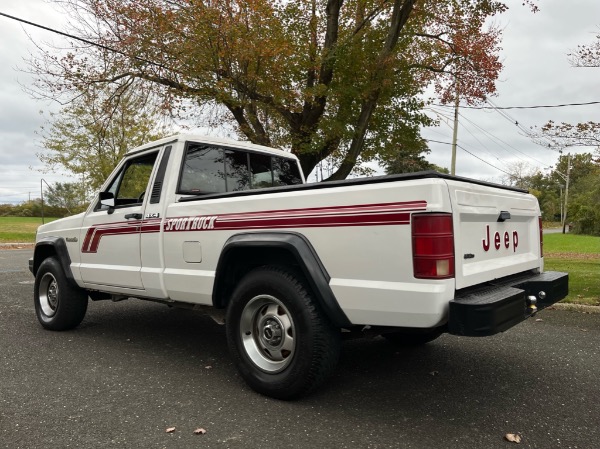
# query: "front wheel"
{"type": "Point", "coordinates": [59, 305]}
{"type": "Point", "coordinates": [281, 342]}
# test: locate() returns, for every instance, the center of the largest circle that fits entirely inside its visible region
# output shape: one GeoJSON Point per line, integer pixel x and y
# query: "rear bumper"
{"type": "Point", "coordinates": [498, 306]}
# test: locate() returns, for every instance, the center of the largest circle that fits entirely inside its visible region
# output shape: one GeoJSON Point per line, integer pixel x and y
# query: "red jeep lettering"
{"type": "Point", "coordinates": [498, 240]}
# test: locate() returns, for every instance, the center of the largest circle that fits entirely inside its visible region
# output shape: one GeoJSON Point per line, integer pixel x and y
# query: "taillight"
{"type": "Point", "coordinates": [433, 246]}
{"type": "Point", "coordinates": [541, 237]}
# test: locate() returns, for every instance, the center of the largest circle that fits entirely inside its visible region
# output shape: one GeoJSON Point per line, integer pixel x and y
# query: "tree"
{"type": "Point", "coordinates": [409, 157]}
{"type": "Point", "coordinates": [586, 55]}
{"type": "Point", "coordinates": [331, 79]}
{"type": "Point", "coordinates": [91, 134]}
{"type": "Point", "coordinates": [520, 175]}
{"type": "Point", "coordinates": [584, 192]}
{"type": "Point", "coordinates": [569, 135]}
{"type": "Point", "coordinates": [67, 195]}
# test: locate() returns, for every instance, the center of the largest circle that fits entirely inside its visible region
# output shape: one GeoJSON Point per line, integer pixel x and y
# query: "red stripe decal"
{"type": "Point", "coordinates": [383, 214]}
{"type": "Point", "coordinates": [355, 215]}
{"type": "Point", "coordinates": [95, 233]}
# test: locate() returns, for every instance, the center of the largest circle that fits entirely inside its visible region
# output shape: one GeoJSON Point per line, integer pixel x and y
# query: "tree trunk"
{"type": "Point", "coordinates": [400, 15]}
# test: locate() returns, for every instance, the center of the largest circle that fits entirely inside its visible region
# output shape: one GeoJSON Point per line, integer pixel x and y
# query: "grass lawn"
{"type": "Point", "coordinates": [578, 255]}
{"type": "Point", "coordinates": [584, 279]}
{"type": "Point", "coordinates": [20, 229]}
{"type": "Point", "coordinates": [571, 243]}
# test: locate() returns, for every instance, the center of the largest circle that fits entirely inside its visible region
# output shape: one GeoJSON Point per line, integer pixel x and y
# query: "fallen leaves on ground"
{"type": "Point", "coordinates": [199, 431]}
{"type": "Point", "coordinates": [170, 429]}
{"type": "Point", "coordinates": [513, 437]}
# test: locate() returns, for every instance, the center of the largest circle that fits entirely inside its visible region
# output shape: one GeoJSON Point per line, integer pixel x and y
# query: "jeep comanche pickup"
{"type": "Point", "coordinates": [231, 227]}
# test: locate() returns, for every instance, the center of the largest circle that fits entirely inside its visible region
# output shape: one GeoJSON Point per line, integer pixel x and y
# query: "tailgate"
{"type": "Point", "coordinates": [496, 232]}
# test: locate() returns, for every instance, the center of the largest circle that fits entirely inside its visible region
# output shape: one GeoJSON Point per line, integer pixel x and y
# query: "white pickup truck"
{"type": "Point", "coordinates": [289, 267]}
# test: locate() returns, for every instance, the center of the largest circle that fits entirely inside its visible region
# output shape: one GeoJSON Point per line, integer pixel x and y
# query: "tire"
{"type": "Point", "coordinates": [412, 338]}
{"type": "Point", "coordinates": [281, 342]}
{"type": "Point", "coordinates": [59, 305]}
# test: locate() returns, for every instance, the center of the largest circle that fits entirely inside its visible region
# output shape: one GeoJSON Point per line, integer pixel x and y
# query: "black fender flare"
{"type": "Point", "coordinates": [304, 255]}
{"type": "Point", "coordinates": [57, 246]}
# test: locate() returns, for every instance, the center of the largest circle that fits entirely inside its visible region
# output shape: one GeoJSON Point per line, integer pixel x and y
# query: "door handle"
{"type": "Point", "coordinates": [504, 215]}
{"type": "Point", "coordinates": [134, 216]}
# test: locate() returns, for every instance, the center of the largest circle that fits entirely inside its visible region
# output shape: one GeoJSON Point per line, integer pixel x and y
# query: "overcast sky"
{"type": "Point", "coordinates": [536, 72]}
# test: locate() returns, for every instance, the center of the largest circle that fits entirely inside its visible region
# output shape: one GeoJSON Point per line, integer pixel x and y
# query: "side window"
{"type": "Point", "coordinates": [203, 170]}
{"type": "Point", "coordinates": [236, 167]}
{"type": "Point", "coordinates": [260, 168]}
{"type": "Point", "coordinates": [130, 184]}
{"type": "Point", "coordinates": [207, 169]}
{"type": "Point", "coordinates": [285, 172]}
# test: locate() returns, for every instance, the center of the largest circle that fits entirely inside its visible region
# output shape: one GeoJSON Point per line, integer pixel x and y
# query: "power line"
{"type": "Point", "coordinates": [463, 125]}
{"type": "Point", "coordinates": [519, 125]}
{"type": "Point", "coordinates": [498, 139]}
{"type": "Point", "coordinates": [482, 145]}
{"type": "Point", "coordinates": [467, 151]}
{"type": "Point", "coordinates": [540, 106]}
{"type": "Point", "coordinates": [86, 41]}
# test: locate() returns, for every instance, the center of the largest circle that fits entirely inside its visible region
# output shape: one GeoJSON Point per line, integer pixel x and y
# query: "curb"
{"type": "Point", "coordinates": [577, 307]}
{"type": "Point", "coordinates": [16, 246]}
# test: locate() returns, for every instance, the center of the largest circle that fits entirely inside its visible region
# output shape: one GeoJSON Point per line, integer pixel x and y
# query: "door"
{"type": "Point", "coordinates": [110, 253]}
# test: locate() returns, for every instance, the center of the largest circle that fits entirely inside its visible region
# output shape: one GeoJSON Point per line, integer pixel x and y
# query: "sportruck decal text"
{"type": "Point", "coordinates": [190, 223]}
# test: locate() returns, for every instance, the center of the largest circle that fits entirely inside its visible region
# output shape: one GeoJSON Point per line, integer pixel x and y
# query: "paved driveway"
{"type": "Point", "coordinates": [133, 369]}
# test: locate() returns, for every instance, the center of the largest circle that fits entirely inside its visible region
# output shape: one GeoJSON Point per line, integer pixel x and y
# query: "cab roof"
{"type": "Point", "coordinates": [220, 141]}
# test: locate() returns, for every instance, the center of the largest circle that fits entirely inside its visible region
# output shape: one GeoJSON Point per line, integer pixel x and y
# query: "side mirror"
{"type": "Point", "coordinates": [108, 199]}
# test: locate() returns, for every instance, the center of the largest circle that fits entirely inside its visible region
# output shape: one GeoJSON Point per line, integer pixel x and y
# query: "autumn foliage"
{"type": "Point", "coordinates": [337, 79]}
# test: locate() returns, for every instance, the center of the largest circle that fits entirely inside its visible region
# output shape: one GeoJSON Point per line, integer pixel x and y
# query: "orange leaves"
{"type": "Point", "coordinates": [461, 51]}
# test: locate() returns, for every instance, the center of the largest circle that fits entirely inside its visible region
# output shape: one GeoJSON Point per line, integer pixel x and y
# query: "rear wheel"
{"type": "Point", "coordinates": [59, 305]}
{"type": "Point", "coordinates": [281, 342]}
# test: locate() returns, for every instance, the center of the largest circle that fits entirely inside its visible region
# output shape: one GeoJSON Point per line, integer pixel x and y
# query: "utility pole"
{"type": "Point", "coordinates": [455, 132]}
{"type": "Point", "coordinates": [42, 180]}
{"type": "Point", "coordinates": [566, 178]}
{"type": "Point", "coordinates": [561, 203]}
{"type": "Point", "coordinates": [42, 198]}
{"type": "Point", "coordinates": [567, 191]}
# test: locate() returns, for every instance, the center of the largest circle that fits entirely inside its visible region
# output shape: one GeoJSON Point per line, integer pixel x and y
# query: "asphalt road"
{"type": "Point", "coordinates": [133, 369]}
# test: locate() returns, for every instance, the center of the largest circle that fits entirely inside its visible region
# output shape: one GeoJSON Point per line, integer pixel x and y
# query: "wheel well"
{"type": "Point", "coordinates": [246, 251]}
{"type": "Point", "coordinates": [42, 252]}
{"type": "Point", "coordinates": [53, 247]}
{"type": "Point", "coordinates": [240, 261]}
